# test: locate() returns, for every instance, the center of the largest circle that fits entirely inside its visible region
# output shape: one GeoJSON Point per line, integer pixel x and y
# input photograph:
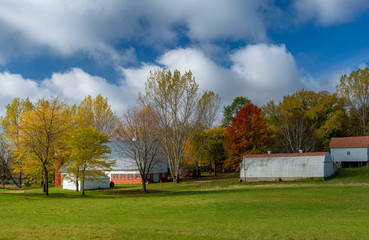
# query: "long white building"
{"type": "Point", "coordinates": [286, 166]}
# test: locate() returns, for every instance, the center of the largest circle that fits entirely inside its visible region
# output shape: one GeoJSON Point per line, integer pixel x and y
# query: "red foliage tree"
{"type": "Point", "coordinates": [248, 133]}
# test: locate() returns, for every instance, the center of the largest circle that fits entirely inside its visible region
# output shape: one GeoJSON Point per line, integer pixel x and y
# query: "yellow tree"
{"type": "Point", "coordinates": [87, 148]}
{"type": "Point", "coordinates": [96, 112]}
{"type": "Point", "coordinates": [10, 125]}
{"type": "Point", "coordinates": [175, 99]}
{"type": "Point", "coordinates": [306, 120]}
{"type": "Point", "coordinates": [207, 148]}
{"type": "Point", "coordinates": [42, 130]}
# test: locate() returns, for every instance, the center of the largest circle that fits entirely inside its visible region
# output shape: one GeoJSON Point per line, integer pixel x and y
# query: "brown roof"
{"type": "Point", "coordinates": [307, 154]}
{"type": "Point", "coordinates": [350, 142]}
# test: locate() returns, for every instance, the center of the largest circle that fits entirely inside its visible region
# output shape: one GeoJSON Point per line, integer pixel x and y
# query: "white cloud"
{"type": "Point", "coordinates": [330, 12]}
{"type": "Point", "coordinates": [260, 72]}
{"type": "Point", "coordinates": [73, 85]}
{"type": "Point", "coordinates": [67, 26]}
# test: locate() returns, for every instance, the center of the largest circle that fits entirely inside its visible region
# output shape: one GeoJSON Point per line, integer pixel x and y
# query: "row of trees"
{"type": "Point", "coordinates": [40, 137]}
{"type": "Point", "coordinates": [43, 136]}
{"type": "Point", "coordinates": [305, 120]}
{"type": "Point", "coordinates": [173, 118]}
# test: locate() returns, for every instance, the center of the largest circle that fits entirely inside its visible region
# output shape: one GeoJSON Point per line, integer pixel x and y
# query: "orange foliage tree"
{"type": "Point", "coordinates": [248, 133]}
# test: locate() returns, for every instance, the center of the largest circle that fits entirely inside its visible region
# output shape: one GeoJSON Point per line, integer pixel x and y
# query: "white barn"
{"type": "Point", "coordinates": [98, 183]}
{"type": "Point", "coordinates": [286, 166]}
{"type": "Point", "coordinates": [123, 171]}
{"type": "Point", "coordinates": [350, 151]}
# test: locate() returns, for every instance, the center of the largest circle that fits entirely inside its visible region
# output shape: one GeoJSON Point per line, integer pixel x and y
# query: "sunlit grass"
{"type": "Point", "coordinates": [194, 209]}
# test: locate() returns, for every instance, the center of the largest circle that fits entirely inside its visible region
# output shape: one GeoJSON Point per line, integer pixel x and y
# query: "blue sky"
{"type": "Point", "coordinates": [259, 49]}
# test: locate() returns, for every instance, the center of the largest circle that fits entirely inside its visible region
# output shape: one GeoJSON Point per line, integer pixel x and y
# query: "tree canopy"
{"type": "Point", "coordinates": [248, 133]}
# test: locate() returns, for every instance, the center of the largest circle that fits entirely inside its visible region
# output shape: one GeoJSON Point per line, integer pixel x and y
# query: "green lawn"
{"type": "Point", "coordinates": [220, 209]}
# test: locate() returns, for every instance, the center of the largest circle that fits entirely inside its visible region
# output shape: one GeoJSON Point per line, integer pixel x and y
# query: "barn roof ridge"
{"type": "Point", "coordinates": [306, 154]}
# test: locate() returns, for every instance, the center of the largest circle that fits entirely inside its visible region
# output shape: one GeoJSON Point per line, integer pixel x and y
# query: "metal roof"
{"type": "Point", "coordinates": [307, 154]}
{"type": "Point", "coordinates": [122, 160]}
{"type": "Point", "coordinates": [349, 142]}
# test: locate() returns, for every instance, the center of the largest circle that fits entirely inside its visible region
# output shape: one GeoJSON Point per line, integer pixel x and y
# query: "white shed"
{"type": "Point", "coordinates": [286, 166]}
{"type": "Point", "coordinates": [350, 151]}
{"type": "Point", "coordinates": [98, 183]}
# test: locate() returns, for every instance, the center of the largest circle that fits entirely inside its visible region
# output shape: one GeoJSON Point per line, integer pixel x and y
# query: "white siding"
{"type": "Point", "coordinates": [103, 182]}
{"type": "Point", "coordinates": [356, 154]}
{"type": "Point", "coordinates": [287, 167]}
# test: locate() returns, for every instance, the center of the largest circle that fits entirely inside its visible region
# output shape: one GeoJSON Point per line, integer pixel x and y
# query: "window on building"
{"type": "Point", "coordinates": [122, 176]}
{"type": "Point", "coordinates": [130, 176]}
{"type": "Point", "coordinates": [137, 176]}
{"type": "Point", "coordinates": [115, 176]}
{"type": "Point", "coordinates": [163, 175]}
{"type": "Point", "coordinates": [348, 152]}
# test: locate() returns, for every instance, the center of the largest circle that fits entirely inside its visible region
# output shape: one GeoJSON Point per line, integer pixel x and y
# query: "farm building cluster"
{"type": "Point", "coordinates": [124, 171]}
{"type": "Point", "coordinates": [344, 152]}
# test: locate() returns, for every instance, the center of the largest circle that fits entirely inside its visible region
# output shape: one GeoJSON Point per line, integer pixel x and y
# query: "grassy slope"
{"type": "Point", "coordinates": [225, 209]}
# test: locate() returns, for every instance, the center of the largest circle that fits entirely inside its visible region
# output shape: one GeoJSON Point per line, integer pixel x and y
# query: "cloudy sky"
{"type": "Point", "coordinates": [259, 49]}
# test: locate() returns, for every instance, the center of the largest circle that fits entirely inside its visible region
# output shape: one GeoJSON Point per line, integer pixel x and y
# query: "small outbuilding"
{"type": "Point", "coordinates": [286, 166]}
{"type": "Point", "coordinates": [350, 151]}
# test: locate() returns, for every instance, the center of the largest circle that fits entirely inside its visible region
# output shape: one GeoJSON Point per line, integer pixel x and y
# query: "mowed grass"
{"type": "Point", "coordinates": [208, 208]}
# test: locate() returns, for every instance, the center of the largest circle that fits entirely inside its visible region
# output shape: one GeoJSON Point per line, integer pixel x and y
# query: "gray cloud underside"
{"type": "Point", "coordinates": [68, 26]}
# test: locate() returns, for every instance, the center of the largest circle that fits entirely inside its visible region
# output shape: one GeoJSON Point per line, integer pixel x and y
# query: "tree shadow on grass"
{"type": "Point", "coordinates": [126, 192]}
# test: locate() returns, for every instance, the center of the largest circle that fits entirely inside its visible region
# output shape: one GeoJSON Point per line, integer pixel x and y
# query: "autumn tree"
{"type": "Point", "coordinates": [96, 112]}
{"type": "Point", "coordinates": [231, 110]}
{"type": "Point", "coordinates": [248, 133]}
{"type": "Point", "coordinates": [306, 120]}
{"type": "Point", "coordinates": [175, 99]}
{"type": "Point", "coordinates": [208, 148]}
{"type": "Point", "coordinates": [138, 139]}
{"type": "Point", "coordinates": [87, 159]}
{"type": "Point", "coordinates": [355, 90]}
{"type": "Point", "coordinates": [41, 130]}
{"type": "Point", "coordinates": [10, 126]}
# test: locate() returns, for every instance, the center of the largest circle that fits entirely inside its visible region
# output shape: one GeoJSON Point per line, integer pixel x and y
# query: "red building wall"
{"type": "Point", "coordinates": [126, 180]}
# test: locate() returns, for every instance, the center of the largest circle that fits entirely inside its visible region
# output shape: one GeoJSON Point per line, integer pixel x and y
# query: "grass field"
{"type": "Point", "coordinates": [337, 208]}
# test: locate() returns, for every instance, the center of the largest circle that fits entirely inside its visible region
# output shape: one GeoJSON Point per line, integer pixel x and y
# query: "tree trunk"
{"type": "Point", "coordinates": [197, 171]}
{"type": "Point", "coordinates": [77, 183]}
{"type": "Point", "coordinates": [3, 180]}
{"type": "Point", "coordinates": [46, 182]}
{"type": "Point", "coordinates": [215, 167]}
{"type": "Point", "coordinates": [143, 184]}
{"type": "Point", "coordinates": [83, 187]}
{"type": "Point", "coordinates": [20, 177]}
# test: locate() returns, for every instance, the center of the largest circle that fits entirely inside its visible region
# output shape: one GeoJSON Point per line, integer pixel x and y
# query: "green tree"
{"type": "Point", "coordinates": [87, 158]}
{"type": "Point", "coordinates": [231, 110]}
{"type": "Point", "coordinates": [212, 147]}
{"type": "Point", "coordinates": [355, 90]}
